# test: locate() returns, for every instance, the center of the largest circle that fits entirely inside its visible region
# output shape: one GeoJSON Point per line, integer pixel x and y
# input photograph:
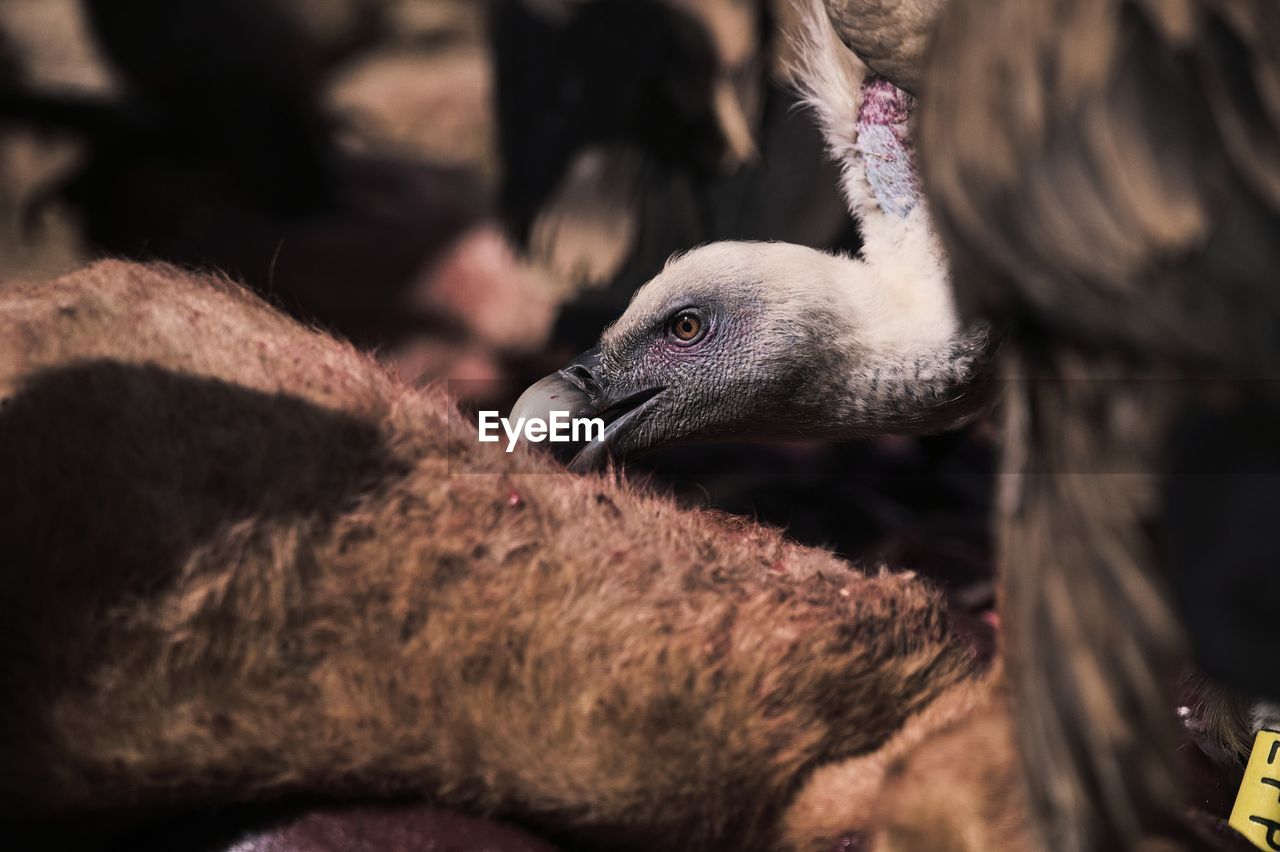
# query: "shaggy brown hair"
{"type": "Point", "coordinates": [948, 780]}
{"type": "Point", "coordinates": [238, 567]}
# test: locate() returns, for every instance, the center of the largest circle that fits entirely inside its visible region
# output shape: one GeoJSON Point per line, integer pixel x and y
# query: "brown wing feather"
{"type": "Point", "coordinates": [1119, 156]}
{"type": "Point", "coordinates": [890, 36]}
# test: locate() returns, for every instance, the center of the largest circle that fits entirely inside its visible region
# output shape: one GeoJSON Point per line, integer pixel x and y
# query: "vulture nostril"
{"type": "Point", "coordinates": [583, 379]}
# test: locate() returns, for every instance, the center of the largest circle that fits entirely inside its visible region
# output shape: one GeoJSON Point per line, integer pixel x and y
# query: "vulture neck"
{"type": "Point", "coordinates": [908, 366]}
{"type": "Point", "coordinates": [922, 391]}
{"type": "Point", "coordinates": [901, 362]}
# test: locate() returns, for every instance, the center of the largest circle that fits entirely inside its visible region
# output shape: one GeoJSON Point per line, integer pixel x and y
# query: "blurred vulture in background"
{"type": "Point", "coordinates": [631, 129]}
{"type": "Point", "coordinates": [215, 149]}
{"type": "Point", "coordinates": [234, 78]}
{"type": "Point", "coordinates": [1106, 177]}
{"type": "Point", "coordinates": [589, 88]}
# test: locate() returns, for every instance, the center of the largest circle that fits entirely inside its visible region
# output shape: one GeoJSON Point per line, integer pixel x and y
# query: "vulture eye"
{"type": "Point", "coordinates": [686, 327]}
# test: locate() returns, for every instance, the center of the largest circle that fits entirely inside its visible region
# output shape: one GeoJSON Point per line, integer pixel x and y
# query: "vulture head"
{"type": "Point", "coordinates": [766, 340]}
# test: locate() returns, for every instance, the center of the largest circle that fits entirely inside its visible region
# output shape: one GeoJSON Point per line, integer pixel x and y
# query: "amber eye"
{"type": "Point", "coordinates": [686, 327]}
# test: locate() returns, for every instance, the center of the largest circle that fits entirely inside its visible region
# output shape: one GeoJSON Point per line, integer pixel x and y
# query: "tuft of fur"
{"type": "Point", "coordinates": [238, 568]}
{"type": "Point", "coordinates": [948, 780]}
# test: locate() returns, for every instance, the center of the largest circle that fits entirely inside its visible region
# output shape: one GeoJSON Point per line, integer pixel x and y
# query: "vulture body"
{"type": "Point", "coordinates": [1106, 177]}
{"type": "Point", "coordinates": [277, 587]}
{"type": "Point", "coordinates": [890, 36]}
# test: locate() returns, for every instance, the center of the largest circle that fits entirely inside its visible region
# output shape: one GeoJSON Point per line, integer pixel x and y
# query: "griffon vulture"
{"type": "Point", "coordinates": [768, 340]}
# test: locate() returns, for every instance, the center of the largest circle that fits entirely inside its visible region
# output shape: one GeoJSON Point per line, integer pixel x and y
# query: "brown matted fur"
{"type": "Point", "coordinates": [948, 780]}
{"type": "Point", "coordinates": [236, 567]}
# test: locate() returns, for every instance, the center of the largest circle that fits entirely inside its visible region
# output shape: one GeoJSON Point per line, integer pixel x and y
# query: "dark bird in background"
{"type": "Point", "coordinates": [217, 153]}
{"type": "Point", "coordinates": [631, 129]}
{"type": "Point", "coordinates": [234, 79]}
{"type": "Point", "coordinates": [642, 75]}
{"type": "Point", "coordinates": [1106, 177]}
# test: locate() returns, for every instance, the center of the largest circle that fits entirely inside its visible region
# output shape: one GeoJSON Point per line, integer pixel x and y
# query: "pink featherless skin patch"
{"type": "Point", "coordinates": [884, 129]}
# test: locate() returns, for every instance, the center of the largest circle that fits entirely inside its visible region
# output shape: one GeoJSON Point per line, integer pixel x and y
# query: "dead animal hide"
{"type": "Point", "coordinates": [237, 568]}
{"type": "Point", "coordinates": [949, 780]}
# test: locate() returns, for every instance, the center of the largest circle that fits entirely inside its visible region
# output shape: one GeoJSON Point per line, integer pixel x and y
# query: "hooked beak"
{"type": "Point", "coordinates": [580, 390]}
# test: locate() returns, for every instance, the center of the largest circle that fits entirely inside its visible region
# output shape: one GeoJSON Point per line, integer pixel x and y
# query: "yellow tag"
{"type": "Point", "coordinates": [1256, 814]}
